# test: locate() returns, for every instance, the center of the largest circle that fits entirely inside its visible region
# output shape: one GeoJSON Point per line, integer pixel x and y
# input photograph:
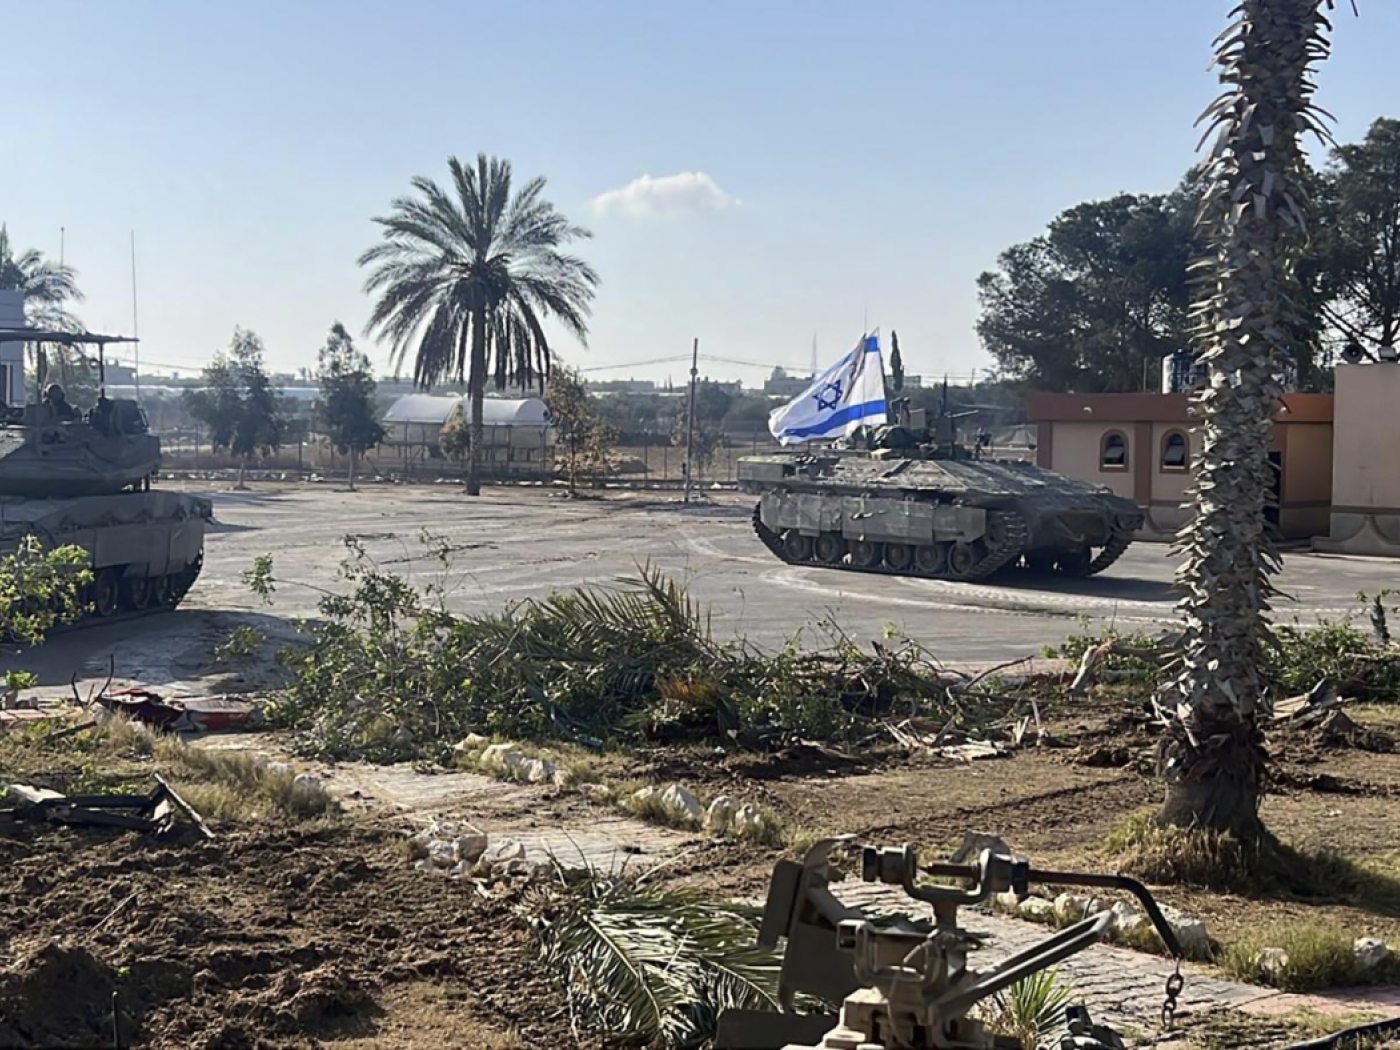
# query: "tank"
{"type": "Point", "coordinates": [85, 480]}
{"type": "Point", "coordinates": [910, 500]}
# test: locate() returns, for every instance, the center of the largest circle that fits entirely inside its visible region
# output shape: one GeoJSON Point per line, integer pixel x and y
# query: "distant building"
{"type": "Point", "coordinates": [621, 386]}
{"type": "Point", "coordinates": [1181, 373]}
{"type": "Point", "coordinates": [516, 434]}
{"type": "Point", "coordinates": [780, 384]}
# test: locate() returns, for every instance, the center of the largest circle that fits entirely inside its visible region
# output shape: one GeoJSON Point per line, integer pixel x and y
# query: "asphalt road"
{"type": "Point", "coordinates": [516, 543]}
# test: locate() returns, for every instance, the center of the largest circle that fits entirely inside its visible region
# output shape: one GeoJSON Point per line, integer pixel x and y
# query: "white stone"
{"type": "Point", "coordinates": [681, 804]}
{"type": "Point", "coordinates": [1271, 961]}
{"type": "Point", "coordinates": [469, 848]}
{"type": "Point", "coordinates": [462, 867]}
{"type": "Point", "coordinates": [502, 852]}
{"type": "Point", "coordinates": [644, 794]}
{"type": "Point", "coordinates": [418, 844]}
{"type": "Point", "coordinates": [471, 742]}
{"type": "Point", "coordinates": [1009, 900]}
{"type": "Point", "coordinates": [538, 770]}
{"type": "Point", "coordinates": [1071, 907]}
{"type": "Point", "coordinates": [440, 854]}
{"type": "Point", "coordinates": [719, 815]}
{"type": "Point", "coordinates": [748, 821]}
{"type": "Point", "coordinates": [1126, 918]}
{"type": "Point", "coordinates": [1190, 932]}
{"type": "Point", "coordinates": [278, 769]}
{"type": "Point", "coordinates": [1038, 909]}
{"type": "Point", "coordinates": [423, 865]}
{"type": "Point", "coordinates": [596, 791]}
{"type": "Point", "coordinates": [1369, 952]}
{"type": "Point", "coordinates": [502, 756]}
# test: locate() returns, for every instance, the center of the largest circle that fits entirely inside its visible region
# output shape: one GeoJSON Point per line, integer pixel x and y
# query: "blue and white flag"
{"type": "Point", "coordinates": [848, 394]}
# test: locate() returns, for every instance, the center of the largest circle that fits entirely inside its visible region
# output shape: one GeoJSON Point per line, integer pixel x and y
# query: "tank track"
{"type": "Point", "coordinates": [1118, 541]}
{"type": "Point", "coordinates": [180, 585]}
{"type": "Point", "coordinates": [1013, 542]}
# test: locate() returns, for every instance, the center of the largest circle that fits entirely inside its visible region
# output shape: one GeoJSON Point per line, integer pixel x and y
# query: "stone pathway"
{"type": "Point", "coordinates": [1125, 988]}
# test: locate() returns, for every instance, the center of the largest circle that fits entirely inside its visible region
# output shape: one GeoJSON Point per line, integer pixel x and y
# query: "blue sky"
{"type": "Point", "coordinates": [861, 160]}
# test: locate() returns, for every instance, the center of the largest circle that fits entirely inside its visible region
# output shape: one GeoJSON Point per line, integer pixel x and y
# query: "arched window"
{"type": "Point", "coordinates": [1113, 451]}
{"type": "Point", "coordinates": [1176, 451]}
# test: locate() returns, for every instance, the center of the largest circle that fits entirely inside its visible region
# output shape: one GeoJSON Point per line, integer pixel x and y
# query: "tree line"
{"type": "Point", "coordinates": [1094, 303]}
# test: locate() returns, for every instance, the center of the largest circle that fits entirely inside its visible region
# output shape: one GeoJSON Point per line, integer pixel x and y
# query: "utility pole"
{"type": "Point", "coordinates": [690, 417]}
{"type": "Point", "coordinates": [135, 329]}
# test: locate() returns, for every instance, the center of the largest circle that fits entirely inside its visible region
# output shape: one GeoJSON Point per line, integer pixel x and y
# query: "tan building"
{"type": "Point", "coordinates": [1365, 516]}
{"type": "Point", "coordinates": [1142, 446]}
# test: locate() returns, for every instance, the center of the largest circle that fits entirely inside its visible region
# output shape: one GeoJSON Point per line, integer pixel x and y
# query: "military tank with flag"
{"type": "Point", "coordinates": [896, 494]}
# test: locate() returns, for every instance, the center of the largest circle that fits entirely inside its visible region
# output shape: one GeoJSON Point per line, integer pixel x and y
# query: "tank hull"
{"type": "Point", "coordinates": [144, 549]}
{"type": "Point", "coordinates": [961, 519]}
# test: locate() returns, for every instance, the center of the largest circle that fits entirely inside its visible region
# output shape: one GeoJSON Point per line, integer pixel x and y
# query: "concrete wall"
{"type": "Point", "coordinates": [1365, 516]}
{"type": "Point", "coordinates": [12, 354]}
{"type": "Point", "coordinates": [1072, 428]}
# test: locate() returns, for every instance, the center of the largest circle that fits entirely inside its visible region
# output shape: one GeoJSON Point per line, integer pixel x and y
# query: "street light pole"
{"type": "Point", "coordinates": [690, 418]}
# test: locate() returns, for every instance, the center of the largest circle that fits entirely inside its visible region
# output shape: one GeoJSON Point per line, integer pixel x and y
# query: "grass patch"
{"type": "Point", "coordinates": [1269, 868]}
{"type": "Point", "coordinates": [236, 786]}
{"type": "Point", "coordinates": [1314, 957]}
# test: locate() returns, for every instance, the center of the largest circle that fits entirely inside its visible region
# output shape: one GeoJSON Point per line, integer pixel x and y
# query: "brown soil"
{"type": "Point", "coordinates": [1058, 804]}
{"type": "Point", "coordinates": [264, 937]}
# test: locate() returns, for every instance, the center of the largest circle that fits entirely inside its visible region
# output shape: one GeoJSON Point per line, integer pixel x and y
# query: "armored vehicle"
{"type": "Point", "coordinates": [84, 479]}
{"type": "Point", "coordinates": [908, 499]}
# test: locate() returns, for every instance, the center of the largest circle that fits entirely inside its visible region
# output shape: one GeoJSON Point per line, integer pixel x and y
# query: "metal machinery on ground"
{"type": "Point", "coordinates": [85, 479]}
{"type": "Point", "coordinates": [909, 500]}
{"type": "Point", "coordinates": [905, 983]}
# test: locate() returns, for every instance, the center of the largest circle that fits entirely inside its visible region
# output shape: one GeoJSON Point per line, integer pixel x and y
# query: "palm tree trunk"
{"type": "Point", "coordinates": [1212, 756]}
{"type": "Point", "coordinates": [476, 386]}
{"type": "Point", "coordinates": [242, 466]}
{"type": "Point", "coordinates": [354, 455]}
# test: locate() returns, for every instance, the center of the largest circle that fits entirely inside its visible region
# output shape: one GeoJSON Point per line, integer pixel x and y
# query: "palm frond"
{"type": "Point", "coordinates": [655, 966]}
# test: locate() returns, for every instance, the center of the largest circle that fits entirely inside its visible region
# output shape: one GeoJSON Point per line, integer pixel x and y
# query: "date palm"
{"type": "Point", "coordinates": [1253, 219]}
{"type": "Point", "coordinates": [46, 287]}
{"type": "Point", "coordinates": [466, 278]}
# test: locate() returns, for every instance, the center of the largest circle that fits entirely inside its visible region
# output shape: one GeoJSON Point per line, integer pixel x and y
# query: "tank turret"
{"type": "Point", "coordinates": [83, 479]}
{"type": "Point", "coordinates": [48, 449]}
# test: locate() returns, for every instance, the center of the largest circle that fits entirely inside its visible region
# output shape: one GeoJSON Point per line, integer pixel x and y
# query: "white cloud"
{"type": "Point", "coordinates": [685, 193]}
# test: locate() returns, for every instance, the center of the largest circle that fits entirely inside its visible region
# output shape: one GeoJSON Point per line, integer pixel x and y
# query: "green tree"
{"type": "Point", "coordinates": [1097, 301]}
{"type": "Point", "coordinates": [1358, 242]}
{"type": "Point", "coordinates": [578, 426]}
{"type": "Point", "coordinates": [237, 404]}
{"type": "Point", "coordinates": [347, 398]}
{"type": "Point", "coordinates": [1252, 222]}
{"type": "Point", "coordinates": [455, 437]}
{"type": "Point", "coordinates": [466, 277]}
{"type": "Point", "coordinates": [40, 588]}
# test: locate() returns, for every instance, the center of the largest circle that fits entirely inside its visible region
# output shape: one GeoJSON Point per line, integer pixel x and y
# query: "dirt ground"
{"type": "Point", "coordinates": [267, 937]}
{"type": "Point", "coordinates": [1057, 804]}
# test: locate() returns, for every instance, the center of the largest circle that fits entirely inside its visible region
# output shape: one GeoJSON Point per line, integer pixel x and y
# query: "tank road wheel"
{"type": "Point", "coordinates": [796, 546]}
{"type": "Point", "coordinates": [932, 558]}
{"type": "Point", "coordinates": [105, 592]}
{"type": "Point", "coordinates": [899, 556]}
{"type": "Point", "coordinates": [1040, 563]}
{"type": "Point", "coordinates": [865, 554]}
{"type": "Point", "coordinates": [162, 591]}
{"type": "Point", "coordinates": [829, 548]}
{"type": "Point", "coordinates": [1074, 563]}
{"type": "Point", "coordinates": [962, 559]}
{"type": "Point", "coordinates": [136, 592]}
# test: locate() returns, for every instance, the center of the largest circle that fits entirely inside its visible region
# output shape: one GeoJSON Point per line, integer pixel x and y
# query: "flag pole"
{"type": "Point", "coordinates": [690, 417]}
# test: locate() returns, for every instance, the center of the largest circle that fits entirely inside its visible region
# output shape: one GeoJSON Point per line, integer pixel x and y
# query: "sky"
{"type": "Point", "coordinates": [759, 175]}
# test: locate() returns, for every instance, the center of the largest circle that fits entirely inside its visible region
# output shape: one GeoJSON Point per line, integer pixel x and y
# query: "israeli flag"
{"type": "Point", "coordinates": [848, 394]}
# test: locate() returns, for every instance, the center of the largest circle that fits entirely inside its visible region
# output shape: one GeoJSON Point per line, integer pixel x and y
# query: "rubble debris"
{"type": "Point", "coordinates": [153, 812]}
{"type": "Point", "coordinates": [1037, 909]}
{"type": "Point", "coordinates": [1368, 953]}
{"type": "Point", "coordinates": [681, 803]}
{"type": "Point", "coordinates": [182, 714]}
{"type": "Point", "coordinates": [502, 852]}
{"type": "Point", "coordinates": [502, 756]}
{"type": "Point", "coordinates": [719, 815]}
{"type": "Point", "coordinates": [1271, 961]}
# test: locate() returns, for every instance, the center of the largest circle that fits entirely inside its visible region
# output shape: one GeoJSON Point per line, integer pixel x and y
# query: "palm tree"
{"type": "Point", "coordinates": [45, 287]}
{"type": "Point", "coordinates": [468, 277]}
{"type": "Point", "coordinates": [1252, 217]}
